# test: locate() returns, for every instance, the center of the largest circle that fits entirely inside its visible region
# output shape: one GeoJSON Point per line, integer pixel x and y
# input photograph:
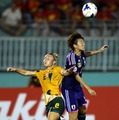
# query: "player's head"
{"type": "Point", "coordinates": [50, 59]}
{"type": "Point", "coordinates": [76, 41]}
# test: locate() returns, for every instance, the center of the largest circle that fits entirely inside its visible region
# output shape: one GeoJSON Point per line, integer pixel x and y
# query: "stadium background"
{"type": "Point", "coordinates": [27, 51]}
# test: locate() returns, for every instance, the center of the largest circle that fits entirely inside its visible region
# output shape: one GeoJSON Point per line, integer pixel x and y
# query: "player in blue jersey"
{"type": "Point", "coordinates": [71, 85]}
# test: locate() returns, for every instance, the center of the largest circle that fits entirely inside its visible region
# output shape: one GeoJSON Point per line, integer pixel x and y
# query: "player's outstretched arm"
{"type": "Point", "coordinates": [68, 71]}
{"type": "Point", "coordinates": [81, 81]}
{"type": "Point", "coordinates": [21, 71]}
{"type": "Point", "coordinates": [102, 49]}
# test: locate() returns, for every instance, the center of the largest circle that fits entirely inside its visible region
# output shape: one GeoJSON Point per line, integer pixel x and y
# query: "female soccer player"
{"type": "Point", "coordinates": [50, 80]}
{"type": "Point", "coordinates": [71, 85]}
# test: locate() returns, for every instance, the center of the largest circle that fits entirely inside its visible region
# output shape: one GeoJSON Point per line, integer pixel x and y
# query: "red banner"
{"type": "Point", "coordinates": [28, 104]}
{"type": "Point", "coordinates": [105, 106]}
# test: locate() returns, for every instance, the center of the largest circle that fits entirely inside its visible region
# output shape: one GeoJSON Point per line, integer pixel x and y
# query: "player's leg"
{"type": "Point", "coordinates": [82, 108]}
{"type": "Point", "coordinates": [82, 113]}
{"type": "Point", "coordinates": [73, 115]}
{"type": "Point", "coordinates": [55, 109]}
{"type": "Point", "coordinates": [53, 116]}
{"type": "Point", "coordinates": [71, 103]}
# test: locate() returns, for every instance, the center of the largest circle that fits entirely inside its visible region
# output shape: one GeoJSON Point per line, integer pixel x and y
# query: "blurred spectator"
{"type": "Point", "coordinates": [11, 21]}
{"type": "Point", "coordinates": [33, 82]}
{"type": "Point", "coordinates": [78, 2]}
{"type": "Point", "coordinates": [27, 17]}
{"type": "Point", "coordinates": [115, 21]}
{"type": "Point", "coordinates": [76, 20]}
{"type": "Point", "coordinates": [105, 18]}
{"type": "Point", "coordinates": [33, 5]}
{"type": "Point", "coordinates": [116, 15]}
{"type": "Point", "coordinates": [41, 24]}
{"type": "Point", "coordinates": [53, 17]}
{"type": "Point", "coordinates": [63, 6]}
{"type": "Point", "coordinates": [19, 4]}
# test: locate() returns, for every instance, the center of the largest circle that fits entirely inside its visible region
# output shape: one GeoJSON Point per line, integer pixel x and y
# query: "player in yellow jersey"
{"type": "Point", "coordinates": [50, 80]}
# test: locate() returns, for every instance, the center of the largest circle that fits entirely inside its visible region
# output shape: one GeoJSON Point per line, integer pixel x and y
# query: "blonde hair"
{"type": "Point", "coordinates": [55, 55]}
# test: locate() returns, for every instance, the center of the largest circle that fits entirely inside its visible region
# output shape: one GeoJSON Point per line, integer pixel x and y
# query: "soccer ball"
{"type": "Point", "coordinates": [89, 9]}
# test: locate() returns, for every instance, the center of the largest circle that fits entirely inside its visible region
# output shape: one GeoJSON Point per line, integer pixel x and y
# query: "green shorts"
{"type": "Point", "coordinates": [56, 105]}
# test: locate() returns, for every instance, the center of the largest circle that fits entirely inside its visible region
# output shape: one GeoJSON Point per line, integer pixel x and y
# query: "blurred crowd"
{"type": "Point", "coordinates": [59, 17]}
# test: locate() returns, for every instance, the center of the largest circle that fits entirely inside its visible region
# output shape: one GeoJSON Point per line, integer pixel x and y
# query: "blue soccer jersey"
{"type": "Point", "coordinates": [69, 82]}
{"type": "Point", "coordinates": [71, 88]}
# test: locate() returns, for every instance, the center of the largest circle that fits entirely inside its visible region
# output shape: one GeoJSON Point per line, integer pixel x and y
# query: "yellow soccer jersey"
{"type": "Point", "coordinates": [50, 81]}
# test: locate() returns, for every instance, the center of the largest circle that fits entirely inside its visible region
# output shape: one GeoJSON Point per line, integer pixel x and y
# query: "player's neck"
{"type": "Point", "coordinates": [77, 52]}
{"type": "Point", "coordinates": [49, 68]}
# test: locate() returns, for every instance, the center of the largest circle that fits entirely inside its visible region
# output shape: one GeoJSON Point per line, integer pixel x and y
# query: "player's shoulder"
{"type": "Point", "coordinates": [71, 53]}
{"type": "Point", "coordinates": [57, 67]}
{"type": "Point", "coordinates": [40, 71]}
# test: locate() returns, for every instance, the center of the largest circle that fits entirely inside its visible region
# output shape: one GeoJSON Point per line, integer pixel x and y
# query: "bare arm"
{"type": "Point", "coordinates": [102, 49]}
{"type": "Point", "coordinates": [80, 80]}
{"type": "Point", "coordinates": [67, 71]}
{"type": "Point", "coordinates": [21, 71]}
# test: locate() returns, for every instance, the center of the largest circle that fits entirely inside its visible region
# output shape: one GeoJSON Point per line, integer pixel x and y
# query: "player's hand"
{"type": "Point", "coordinates": [92, 92]}
{"type": "Point", "coordinates": [70, 70]}
{"type": "Point", "coordinates": [11, 69]}
{"type": "Point", "coordinates": [103, 48]}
